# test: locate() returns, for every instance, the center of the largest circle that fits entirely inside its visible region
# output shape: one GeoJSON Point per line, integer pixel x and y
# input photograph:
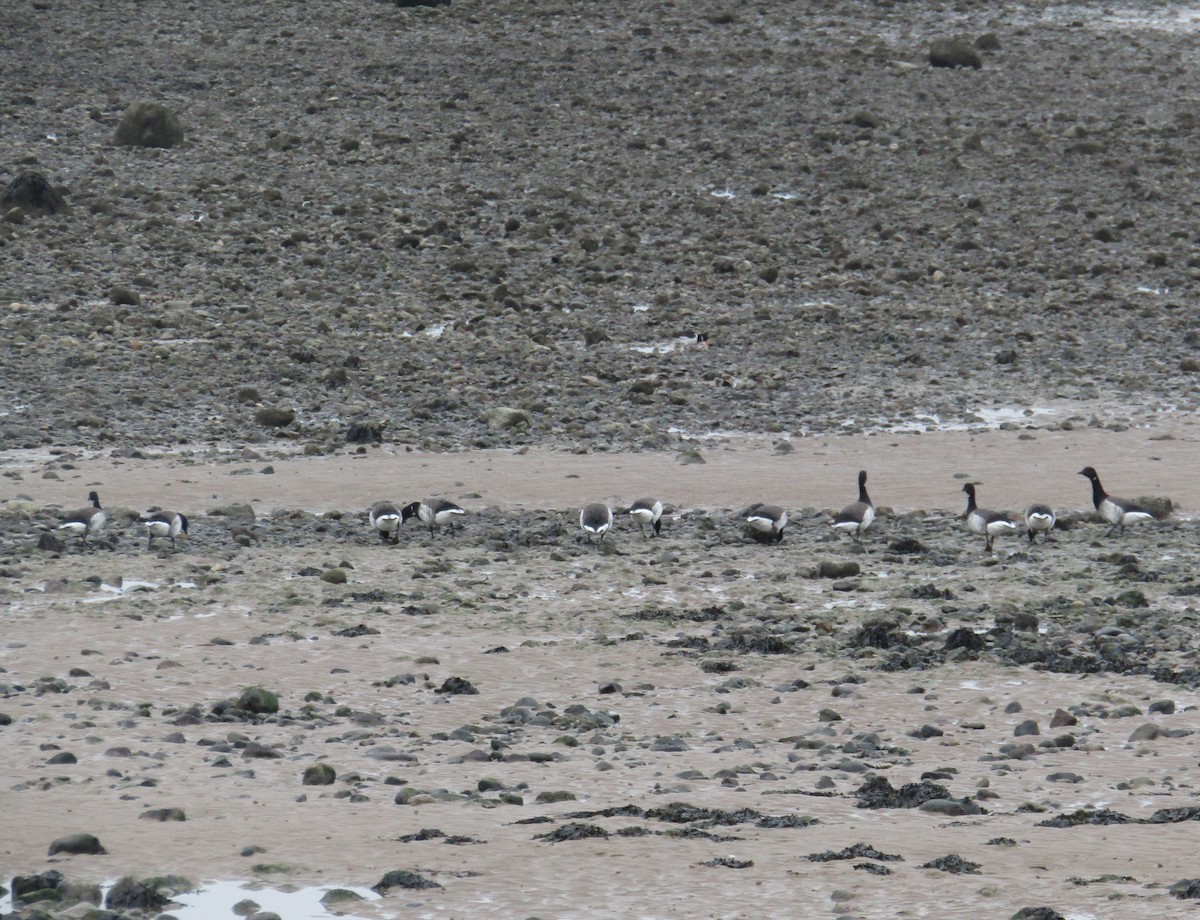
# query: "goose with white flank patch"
{"type": "Point", "coordinates": [168, 524]}
{"type": "Point", "coordinates": [595, 519]}
{"type": "Point", "coordinates": [857, 517]}
{"type": "Point", "coordinates": [768, 522]}
{"type": "Point", "coordinates": [1039, 519]}
{"type": "Point", "coordinates": [1117, 511]}
{"type": "Point", "coordinates": [85, 522]}
{"type": "Point", "coordinates": [433, 513]}
{"type": "Point", "coordinates": [989, 524]}
{"type": "Point", "coordinates": [385, 518]}
{"type": "Point", "coordinates": [647, 511]}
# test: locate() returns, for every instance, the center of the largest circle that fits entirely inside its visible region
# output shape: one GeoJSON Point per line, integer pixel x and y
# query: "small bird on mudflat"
{"type": "Point", "coordinates": [769, 521]}
{"type": "Point", "coordinates": [857, 517]}
{"type": "Point", "coordinates": [595, 519]}
{"type": "Point", "coordinates": [987, 523]}
{"type": "Point", "coordinates": [647, 511]}
{"type": "Point", "coordinates": [1117, 511]}
{"type": "Point", "coordinates": [84, 522]}
{"type": "Point", "coordinates": [169, 524]}
{"type": "Point", "coordinates": [385, 518]}
{"type": "Point", "coordinates": [433, 513]}
{"type": "Point", "coordinates": [1039, 519]}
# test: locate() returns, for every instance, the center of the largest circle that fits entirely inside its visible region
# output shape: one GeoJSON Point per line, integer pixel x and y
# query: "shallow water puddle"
{"type": "Point", "coordinates": [217, 899]}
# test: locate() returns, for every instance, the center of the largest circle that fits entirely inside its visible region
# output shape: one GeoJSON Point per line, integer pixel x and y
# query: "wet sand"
{"type": "Point", "coordinates": [573, 619]}
{"type": "Point", "coordinates": [908, 471]}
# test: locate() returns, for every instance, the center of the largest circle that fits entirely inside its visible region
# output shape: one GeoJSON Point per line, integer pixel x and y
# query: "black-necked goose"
{"type": "Point", "coordinates": [434, 513]}
{"type": "Point", "coordinates": [595, 519]}
{"type": "Point", "coordinates": [769, 521]}
{"type": "Point", "coordinates": [86, 521]}
{"type": "Point", "coordinates": [169, 524]}
{"type": "Point", "coordinates": [1039, 519]}
{"type": "Point", "coordinates": [647, 511]}
{"type": "Point", "coordinates": [856, 518]}
{"type": "Point", "coordinates": [989, 524]}
{"type": "Point", "coordinates": [1117, 511]}
{"type": "Point", "coordinates": [385, 518]}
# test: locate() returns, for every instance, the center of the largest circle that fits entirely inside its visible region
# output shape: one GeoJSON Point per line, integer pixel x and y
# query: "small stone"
{"type": "Point", "coordinates": [1028, 727]}
{"type": "Point", "coordinates": [500, 418]}
{"type": "Point", "coordinates": [123, 296]}
{"type": "Point", "coordinates": [271, 417]}
{"type": "Point", "coordinates": [334, 576]}
{"type": "Point", "coordinates": [1062, 718]}
{"type": "Point", "coordinates": [829, 569]}
{"type": "Point", "coordinates": [148, 124]}
{"type": "Point", "coordinates": [1147, 732]}
{"type": "Point", "coordinates": [950, 52]}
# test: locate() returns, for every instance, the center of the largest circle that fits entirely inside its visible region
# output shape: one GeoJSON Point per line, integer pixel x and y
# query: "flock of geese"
{"type": "Point", "coordinates": [766, 522]}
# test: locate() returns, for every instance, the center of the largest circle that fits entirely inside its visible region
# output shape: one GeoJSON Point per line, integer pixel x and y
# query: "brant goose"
{"type": "Point", "coordinates": [433, 513]}
{"type": "Point", "coordinates": [769, 521]}
{"type": "Point", "coordinates": [1117, 511]}
{"type": "Point", "coordinates": [855, 518]}
{"type": "Point", "coordinates": [1039, 519]}
{"type": "Point", "coordinates": [595, 518]}
{"type": "Point", "coordinates": [385, 517]}
{"type": "Point", "coordinates": [647, 511]}
{"type": "Point", "coordinates": [982, 521]}
{"type": "Point", "coordinates": [169, 524]}
{"type": "Point", "coordinates": [84, 522]}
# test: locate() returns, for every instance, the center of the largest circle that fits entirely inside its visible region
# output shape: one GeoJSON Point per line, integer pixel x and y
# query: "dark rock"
{"type": "Point", "coordinates": [1028, 727]}
{"type": "Point", "coordinates": [402, 878]}
{"type": "Point", "coordinates": [966, 638]}
{"type": "Point", "coordinates": [123, 296]}
{"type": "Point", "coordinates": [877, 792]}
{"type": "Point", "coordinates": [1062, 718]}
{"type": "Point", "coordinates": [907, 546]}
{"type": "Point", "coordinates": [334, 576]}
{"type": "Point", "coordinates": [319, 774]}
{"type": "Point", "coordinates": [33, 194]}
{"type": "Point", "coordinates": [458, 686]}
{"type": "Point", "coordinates": [1037, 913]}
{"type": "Point", "coordinates": [78, 844]}
{"type": "Point", "coordinates": [131, 894]}
{"type": "Point", "coordinates": [988, 41]}
{"type": "Point", "coordinates": [273, 417]}
{"type": "Point", "coordinates": [1187, 888]}
{"type": "Point", "coordinates": [63, 757]}
{"type": "Point", "coordinates": [365, 433]}
{"type": "Point", "coordinates": [148, 124]}
{"type": "Point", "coordinates": [258, 700]}
{"type": "Point", "coordinates": [951, 52]}
{"type": "Point", "coordinates": [875, 634]}
{"type": "Point", "coordinates": [27, 888]}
